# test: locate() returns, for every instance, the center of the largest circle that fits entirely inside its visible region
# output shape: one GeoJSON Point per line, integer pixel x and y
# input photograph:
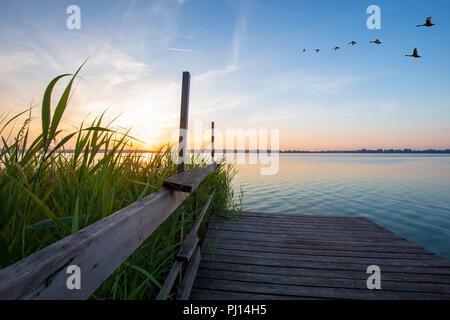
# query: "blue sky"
{"type": "Point", "coordinates": [246, 65]}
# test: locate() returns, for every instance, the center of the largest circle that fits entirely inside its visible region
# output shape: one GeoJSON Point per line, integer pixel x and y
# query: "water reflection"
{"type": "Point", "coordinates": [407, 194]}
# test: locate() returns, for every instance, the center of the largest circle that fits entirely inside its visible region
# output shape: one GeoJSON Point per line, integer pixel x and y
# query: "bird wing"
{"type": "Point", "coordinates": [428, 20]}
{"type": "Point", "coordinates": [415, 52]}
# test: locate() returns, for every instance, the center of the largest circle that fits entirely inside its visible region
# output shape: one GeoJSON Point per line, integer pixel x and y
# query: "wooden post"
{"type": "Point", "coordinates": [212, 142]}
{"type": "Point", "coordinates": [184, 115]}
{"type": "Point", "coordinates": [182, 147]}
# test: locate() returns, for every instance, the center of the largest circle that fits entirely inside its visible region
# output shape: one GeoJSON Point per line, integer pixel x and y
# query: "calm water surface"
{"type": "Point", "coordinates": [407, 194]}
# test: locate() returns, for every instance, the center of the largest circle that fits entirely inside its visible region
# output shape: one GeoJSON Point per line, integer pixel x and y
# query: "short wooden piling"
{"type": "Point", "coordinates": [212, 142]}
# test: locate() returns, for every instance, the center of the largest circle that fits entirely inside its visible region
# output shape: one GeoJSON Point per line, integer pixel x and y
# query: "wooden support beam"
{"type": "Point", "coordinates": [168, 284]}
{"type": "Point", "coordinates": [188, 248]}
{"type": "Point", "coordinates": [189, 277]}
{"type": "Point", "coordinates": [202, 214]}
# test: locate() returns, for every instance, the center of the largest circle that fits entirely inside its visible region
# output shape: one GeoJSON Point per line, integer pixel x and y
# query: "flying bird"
{"type": "Point", "coordinates": [336, 48]}
{"type": "Point", "coordinates": [304, 50]}
{"type": "Point", "coordinates": [376, 41]}
{"type": "Point", "coordinates": [414, 55]}
{"type": "Point", "coordinates": [317, 50]}
{"type": "Point", "coordinates": [427, 24]}
{"type": "Point", "coordinates": [352, 43]}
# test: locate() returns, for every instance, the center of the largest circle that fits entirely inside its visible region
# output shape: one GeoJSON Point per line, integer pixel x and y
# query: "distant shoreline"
{"type": "Point", "coordinates": [363, 151]}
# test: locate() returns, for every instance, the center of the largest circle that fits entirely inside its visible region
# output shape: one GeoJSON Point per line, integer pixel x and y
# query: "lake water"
{"type": "Point", "coordinates": [406, 194]}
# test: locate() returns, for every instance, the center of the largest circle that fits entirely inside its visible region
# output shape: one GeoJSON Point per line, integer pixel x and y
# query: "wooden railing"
{"type": "Point", "coordinates": [102, 247]}
{"type": "Point", "coordinates": [190, 254]}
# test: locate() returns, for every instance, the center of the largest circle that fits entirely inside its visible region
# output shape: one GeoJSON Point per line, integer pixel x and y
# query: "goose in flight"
{"type": "Point", "coordinates": [427, 24]}
{"type": "Point", "coordinates": [414, 55]}
{"type": "Point", "coordinates": [336, 48]}
{"type": "Point", "coordinates": [352, 43]}
{"type": "Point", "coordinates": [304, 50]}
{"type": "Point", "coordinates": [376, 41]}
{"type": "Point", "coordinates": [317, 50]}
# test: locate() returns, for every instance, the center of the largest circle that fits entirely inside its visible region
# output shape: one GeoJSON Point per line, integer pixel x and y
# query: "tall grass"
{"type": "Point", "coordinates": [48, 193]}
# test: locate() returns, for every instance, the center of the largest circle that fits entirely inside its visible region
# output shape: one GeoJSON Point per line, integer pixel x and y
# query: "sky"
{"type": "Point", "coordinates": [246, 64]}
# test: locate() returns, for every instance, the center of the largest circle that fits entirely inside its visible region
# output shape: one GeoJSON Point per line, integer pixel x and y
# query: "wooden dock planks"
{"type": "Point", "coordinates": [282, 256]}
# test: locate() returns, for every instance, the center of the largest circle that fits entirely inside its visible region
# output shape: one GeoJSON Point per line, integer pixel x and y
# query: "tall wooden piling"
{"type": "Point", "coordinates": [184, 118]}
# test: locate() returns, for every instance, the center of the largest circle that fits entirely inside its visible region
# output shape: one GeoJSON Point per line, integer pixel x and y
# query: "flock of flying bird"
{"type": "Point", "coordinates": [378, 42]}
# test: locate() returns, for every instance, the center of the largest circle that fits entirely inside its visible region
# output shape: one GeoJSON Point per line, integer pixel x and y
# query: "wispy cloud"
{"type": "Point", "coordinates": [181, 50]}
{"type": "Point", "coordinates": [208, 87]}
{"type": "Point", "coordinates": [238, 36]}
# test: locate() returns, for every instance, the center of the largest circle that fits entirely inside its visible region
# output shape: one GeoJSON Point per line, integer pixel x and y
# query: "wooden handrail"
{"type": "Point", "coordinates": [98, 250]}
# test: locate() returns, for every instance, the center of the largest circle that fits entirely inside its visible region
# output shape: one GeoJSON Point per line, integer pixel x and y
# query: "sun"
{"type": "Point", "coordinates": [148, 143]}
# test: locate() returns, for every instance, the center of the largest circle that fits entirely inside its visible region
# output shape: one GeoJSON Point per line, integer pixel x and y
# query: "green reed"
{"type": "Point", "coordinates": [48, 193]}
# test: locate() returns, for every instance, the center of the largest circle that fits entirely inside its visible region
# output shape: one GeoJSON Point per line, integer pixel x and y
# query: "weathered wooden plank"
{"type": "Point", "coordinates": [205, 294]}
{"type": "Point", "coordinates": [322, 245]}
{"type": "Point", "coordinates": [323, 273]}
{"type": "Point", "coordinates": [170, 280]}
{"type": "Point", "coordinates": [296, 263]}
{"type": "Point", "coordinates": [319, 292]}
{"type": "Point", "coordinates": [188, 181]}
{"type": "Point", "coordinates": [311, 224]}
{"type": "Point", "coordinates": [308, 227]}
{"type": "Point", "coordinates": [189, 276]}
{"type": "Point", "coordinates": [318, 232]}
{"type": "Point", "coordinates": [96, 250]}
{"type": "Point", "coordinates": [441, 263]}
{"type": "Point", "coordinates": [316, 236]}
{"type": "Point", "coordinates": [306, 216]}
{"type": "Point", "coordinates": [372, 236]}
{"type": "Point", "coordinates": [345, 227]}
{"type": "Point", "coordinates": [342, 227]}
{"type": "Point", "coordinates": [305, 226]}
{"type": "Point", "coordinates": [328, 282]}
{"type": "Point", "coordinates": [307, 239]}
{"type": "Point", "coordinates": [187, 250]}
{"type": "Point", "coordinates": [306, 250]}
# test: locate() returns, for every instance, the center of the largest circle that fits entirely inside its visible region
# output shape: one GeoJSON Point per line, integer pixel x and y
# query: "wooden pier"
{"type": "Point", "coordinates": [253, 256]}
{"type": "Point", "coordinates": [286, 256]}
